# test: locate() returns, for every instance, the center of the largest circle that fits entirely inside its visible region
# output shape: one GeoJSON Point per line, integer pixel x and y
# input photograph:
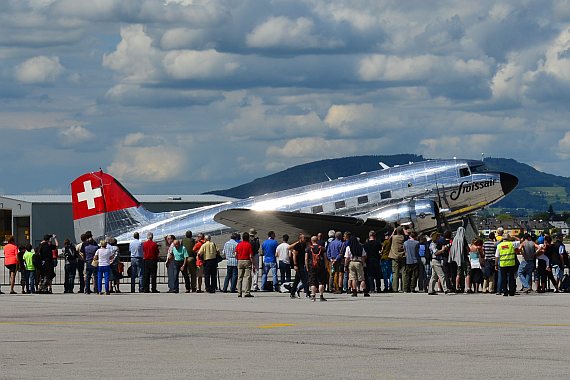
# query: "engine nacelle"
{"type": "Point", "coordinates": [422, 214]}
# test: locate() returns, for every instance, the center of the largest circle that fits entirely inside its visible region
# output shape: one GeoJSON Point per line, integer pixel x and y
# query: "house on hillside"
{"type": "Point", "coordinates": [535, 227]}
{"type": "Point", "coordinates": [561, 227]}
{"type": "Point", "coordinates": [488, 225]}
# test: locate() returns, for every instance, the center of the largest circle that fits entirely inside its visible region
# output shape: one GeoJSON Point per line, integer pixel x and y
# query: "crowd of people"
{"type": "Point", "coordinates": [397, 261]}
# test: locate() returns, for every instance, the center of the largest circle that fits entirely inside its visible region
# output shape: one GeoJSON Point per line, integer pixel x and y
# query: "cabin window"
{"type": "Point", "coordinates": [339, 204]}
{"type": "Point", "coordinates": [317, 209]}
{"type": "Point", "coordinates": [385, 195]}
{"type": "Point", "coordinates": [363, 199]}
{"type": "Point", "coordinates": [464, 172]}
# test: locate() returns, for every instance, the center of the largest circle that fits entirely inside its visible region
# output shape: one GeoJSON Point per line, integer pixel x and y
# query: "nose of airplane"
{"type": "Point", "coordinates": [508, 182]}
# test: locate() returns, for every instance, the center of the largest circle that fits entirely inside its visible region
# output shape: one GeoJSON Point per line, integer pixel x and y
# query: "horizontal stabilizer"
{"type": "Point", "coordinates": [292, 223]}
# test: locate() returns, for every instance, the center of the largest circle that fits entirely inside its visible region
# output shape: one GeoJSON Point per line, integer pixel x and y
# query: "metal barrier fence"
{"type": "Point", "coordinates": [162, 277]}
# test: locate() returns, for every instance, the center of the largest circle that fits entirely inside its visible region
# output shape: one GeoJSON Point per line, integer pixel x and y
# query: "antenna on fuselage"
{"type": "Point", "coordinates": [329, 178]}
{"type": "Point", "coordinates": [383, 165]}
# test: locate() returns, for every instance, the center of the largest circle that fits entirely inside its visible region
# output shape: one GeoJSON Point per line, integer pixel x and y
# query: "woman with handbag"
{"type": "Point", "coordinates": [116, 272]}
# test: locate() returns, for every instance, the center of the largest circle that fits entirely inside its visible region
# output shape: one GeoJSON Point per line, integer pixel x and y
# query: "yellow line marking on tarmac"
{"type": "Point", "coordinates": [275, 325]}
{"type": "Point", "coordinates": [371, 323]}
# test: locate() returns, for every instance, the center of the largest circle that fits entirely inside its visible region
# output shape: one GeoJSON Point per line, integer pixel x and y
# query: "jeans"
{"type": "Point", "coordinates": [386, 267]}
{"type": "Point", "coordinates": [525, 272]}
{"type": "Point", "coordinates": [231, 276]}
{"type": "Point", "coordinates": [173, 280]}
{"type": "Point", "coordinates": [70, 269]}
{"type": "Point", "coordinates": [30, 277]}
{"type": "Point", "coordinates": [150, 269]}
{"type": "Point", "coordinates": [90, 271]}
{"type": "Point", "coordinates": [301, 277]}
{"type": "Point", "coordinates": [285, 271]}
{"type": "Point", "coordinates": [210, 274]}
{"type": "Point", "coordinates": [508, 275]}
{"type": "Point", "coordinates": [103, 271]}
{"type": "Point", "coordinates": [423, 276]}
{"type": "Point", "coordinates": [136, 271]}
{"type": "Point", "coordinates": [266, 268]}
{"type": "Point", "coordinates": [374, 274]}
{"type": "Point", "coordinates": [80, 268]}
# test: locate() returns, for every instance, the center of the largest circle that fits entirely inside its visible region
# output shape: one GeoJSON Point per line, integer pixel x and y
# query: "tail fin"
{"type": "Point", "coordinates": [103, 206]}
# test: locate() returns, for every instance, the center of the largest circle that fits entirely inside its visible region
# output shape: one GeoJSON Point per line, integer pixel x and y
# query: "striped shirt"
{"type": "Point", "coordinates": [229, 251]}
{"type": "Point", "coordinates": [489, 247]}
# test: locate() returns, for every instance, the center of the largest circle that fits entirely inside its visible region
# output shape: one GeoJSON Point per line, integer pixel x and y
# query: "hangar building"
{"type": "Point", "coordinates": [29, 217]}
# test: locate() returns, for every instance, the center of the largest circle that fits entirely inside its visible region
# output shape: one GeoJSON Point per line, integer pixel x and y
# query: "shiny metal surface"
{"type": "Point", "coordinates": [416, 193]}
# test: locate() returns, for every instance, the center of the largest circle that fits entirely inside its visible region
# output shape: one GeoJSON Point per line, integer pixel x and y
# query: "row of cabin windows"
{"type": "Point", "coordinates": [342, 204]}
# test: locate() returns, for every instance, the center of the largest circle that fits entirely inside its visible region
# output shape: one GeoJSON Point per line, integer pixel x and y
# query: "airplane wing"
{"type": "Point", "coordinates": [292, 223]}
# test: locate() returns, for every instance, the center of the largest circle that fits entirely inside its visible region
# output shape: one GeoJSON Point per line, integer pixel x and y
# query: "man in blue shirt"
{"type": "Point", "coordinates": [337, 266]}
{"type": "Point", "coordinates": [136, 249]}
{"type": "Point", "coordinates": [269, 249]}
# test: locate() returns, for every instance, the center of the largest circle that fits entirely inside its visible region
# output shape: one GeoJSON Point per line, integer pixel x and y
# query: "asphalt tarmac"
{"type": "Point", "coordinates": [385, 336]}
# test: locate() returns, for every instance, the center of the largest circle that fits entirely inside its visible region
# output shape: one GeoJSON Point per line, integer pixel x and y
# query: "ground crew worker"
{"type": "Point", "coordinates": [506, 255]}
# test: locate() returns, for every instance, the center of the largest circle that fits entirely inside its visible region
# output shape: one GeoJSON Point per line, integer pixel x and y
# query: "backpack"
{"type": "Point", "coordinates": [357, 250]}
{"type": "Point", "coordinates": [316, 257]}
{"type": "Point", "coordinates": [422, 250]}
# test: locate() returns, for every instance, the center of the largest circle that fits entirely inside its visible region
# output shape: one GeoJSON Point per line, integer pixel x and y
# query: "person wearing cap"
{"type": "Point", "coordinates": [500, 233]}
{"type": "Point", "coordinates": [386, 262]}
{"type": "Point", "coordinates": [255, 246]}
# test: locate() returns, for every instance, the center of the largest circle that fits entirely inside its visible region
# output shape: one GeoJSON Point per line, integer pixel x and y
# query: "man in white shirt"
{"type": "Point", "coordinates": [284, 257]}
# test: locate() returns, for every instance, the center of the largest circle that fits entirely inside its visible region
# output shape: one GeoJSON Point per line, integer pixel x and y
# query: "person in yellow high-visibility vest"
{"type": "Point", "coordinates": [506, 255]}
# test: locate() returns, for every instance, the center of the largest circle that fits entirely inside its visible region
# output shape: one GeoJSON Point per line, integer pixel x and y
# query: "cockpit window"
{"type": "Point", "coordinates": [479, 168]}
{"type": "Point", "coordinates": [464, 172]}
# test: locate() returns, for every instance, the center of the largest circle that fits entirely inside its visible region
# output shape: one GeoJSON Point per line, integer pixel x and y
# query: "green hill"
{"type": "Point", "coordinates": [536, 190]}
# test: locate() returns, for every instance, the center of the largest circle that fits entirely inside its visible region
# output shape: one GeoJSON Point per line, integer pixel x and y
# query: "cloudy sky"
{"type": "Point", "coordinates": [185, 96]}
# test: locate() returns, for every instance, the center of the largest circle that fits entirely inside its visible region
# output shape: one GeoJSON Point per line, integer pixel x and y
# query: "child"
{"type": "Point", "coordinates": [30, 270]}
{"type": "Point", "coordinates": [542, 265]}
{"type": "Point", "coordinates": [475, 274]}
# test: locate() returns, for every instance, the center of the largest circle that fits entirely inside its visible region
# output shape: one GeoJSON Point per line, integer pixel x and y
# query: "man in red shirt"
{"type": "Point", "coordinates": [244, 255]}
{"type": "Point", "coordinates": [150, 257]}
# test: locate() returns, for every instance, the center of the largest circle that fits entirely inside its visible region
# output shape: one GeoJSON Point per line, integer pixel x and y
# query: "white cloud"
{"type": "Point", "coordinates": [75, 135]}
{"type": "Point", "coordinates": [290, 33]}
{"type": "Point", "coordinates": [564, 147]}
{"type": "Point", "coordinates": [134, 57]}
{"type": "Point", "coordinates": [199, 64]}
{"type": "Point", "coordinates": [149, 164]}
{"type": "Point", "coordinates": [39, 70]}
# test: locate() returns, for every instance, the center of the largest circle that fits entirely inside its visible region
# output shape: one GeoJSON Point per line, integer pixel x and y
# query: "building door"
{"type": "Point", "coordinates": [5, 224]}
{"type": "Point", "coordinates": [22, 229]}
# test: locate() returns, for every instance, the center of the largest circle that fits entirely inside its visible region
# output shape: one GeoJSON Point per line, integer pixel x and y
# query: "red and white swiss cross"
{"type": "Point", "coordinates": [98, 193]}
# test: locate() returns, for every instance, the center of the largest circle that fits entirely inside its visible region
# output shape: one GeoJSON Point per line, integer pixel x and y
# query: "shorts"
{"type": "Point", "coordinates": [339, 266]}
{"type": "Point", "coordinates": [476, 275]}
{"type": "Point", "coordinates": [557, 272]}
{"type": "Point", "coordinates": [355, 271]}
{"type": "Point", "coordinates": [462, 269]}
{"type": "Point", "coordinates": [317, 277]}
{"type": "Point", "coordinates": [12, 267]}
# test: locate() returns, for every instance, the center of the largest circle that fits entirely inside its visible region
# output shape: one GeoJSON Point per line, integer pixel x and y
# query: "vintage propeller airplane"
{"type": "Point", "coordinates": [428, 195]}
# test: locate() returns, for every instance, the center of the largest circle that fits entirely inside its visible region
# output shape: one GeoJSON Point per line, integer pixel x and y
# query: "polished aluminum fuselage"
{"type": "Point", "coordinates": [448, 183]}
